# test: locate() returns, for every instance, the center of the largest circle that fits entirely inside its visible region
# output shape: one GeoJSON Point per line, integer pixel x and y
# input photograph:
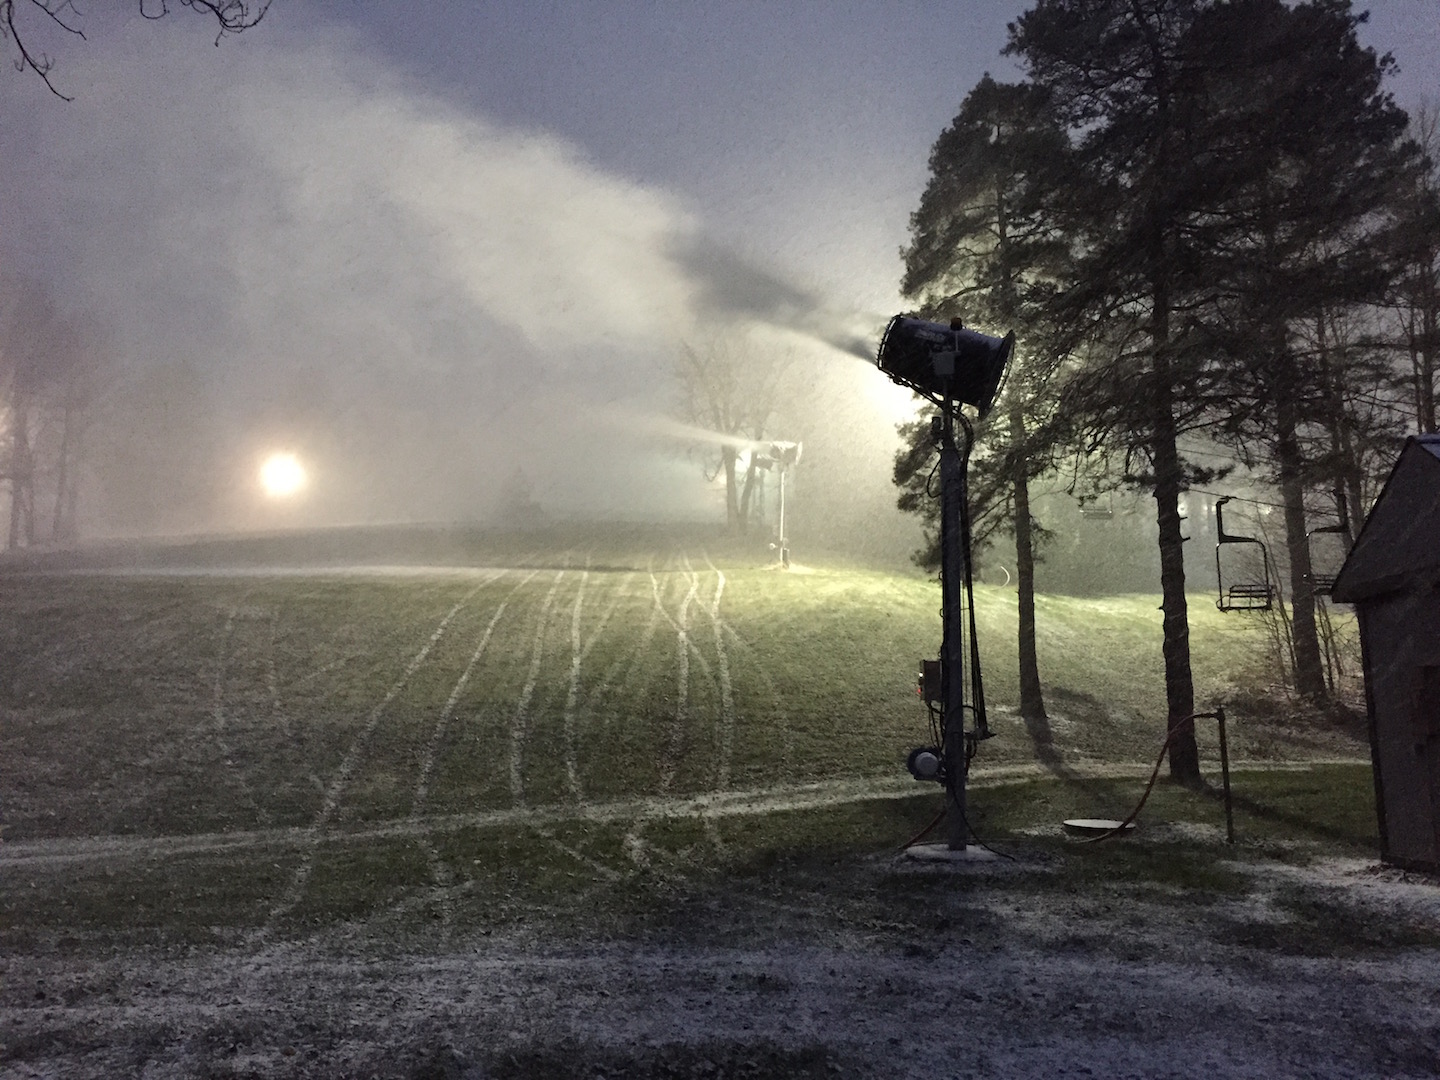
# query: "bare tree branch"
{"type": "Point", "coordinates": [231, 17]}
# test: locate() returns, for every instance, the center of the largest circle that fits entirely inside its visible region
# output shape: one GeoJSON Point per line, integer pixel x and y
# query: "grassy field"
{"type": "Point", "coordinates": [637, 740]}
{"type": "Point", "coordinates": [620, 700]}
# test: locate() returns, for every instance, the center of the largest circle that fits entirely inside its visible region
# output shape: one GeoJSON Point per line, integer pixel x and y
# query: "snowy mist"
{"type": "Point", "coordinates": [294, 250]}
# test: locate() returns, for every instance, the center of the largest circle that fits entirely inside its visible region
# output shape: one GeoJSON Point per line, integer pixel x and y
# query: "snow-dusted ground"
{"type": "Point", "coordinates": [656, 964]}
{"type": "Point", "coordinates": [1011, 982]}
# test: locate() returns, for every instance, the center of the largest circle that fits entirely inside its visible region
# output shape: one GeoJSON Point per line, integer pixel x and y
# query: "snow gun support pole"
{"type": "Point", "coordinates": [1188, 724]}
{"type": "Point", "coordinates": [782, 539]}
{"type": "Point", "coordinates": [950, 366]}
{"type": "Point", "coordinates": [954, 562]}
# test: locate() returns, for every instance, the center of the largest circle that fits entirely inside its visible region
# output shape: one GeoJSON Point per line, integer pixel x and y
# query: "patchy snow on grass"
{"type": "Point", "coordinates": [1008, 984]}
{"type": "Point", "coordinates": [663, 866]}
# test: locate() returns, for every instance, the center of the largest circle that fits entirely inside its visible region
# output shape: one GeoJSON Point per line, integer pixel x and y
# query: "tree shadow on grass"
{"type": "Point", "coordinates": [1042, 740]}
{"type": "Point", "coordinates": [1293, 822]}
{"type": "Point", "coordinates": [1083, 707]}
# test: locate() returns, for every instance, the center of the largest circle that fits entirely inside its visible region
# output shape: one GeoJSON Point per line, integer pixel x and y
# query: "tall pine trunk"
{"type": "Point", "coordinates": [1348, 474]}
{"type": "Point", "coordinates": [1032, 699]}
{"type": "Point", "coordinates": [1305, 638]}
{"type": "Point", "coordinates": [1179, 683]}
{"type": "Point", "coordinates": [1165, 455]}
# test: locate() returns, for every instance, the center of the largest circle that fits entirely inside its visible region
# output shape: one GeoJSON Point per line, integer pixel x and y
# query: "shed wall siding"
{"type": "Point", "coordinates": [1402, 634]}
{"type": "Point", "coordinates": [1398, 540]}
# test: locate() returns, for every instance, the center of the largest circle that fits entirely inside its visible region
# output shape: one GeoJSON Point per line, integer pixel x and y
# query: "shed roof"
{"type": "Point", "coordinates": [1399, 545]}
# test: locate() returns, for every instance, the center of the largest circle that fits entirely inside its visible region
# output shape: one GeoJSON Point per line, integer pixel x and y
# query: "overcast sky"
{"type": "Point", "coordinates": [423, 243]}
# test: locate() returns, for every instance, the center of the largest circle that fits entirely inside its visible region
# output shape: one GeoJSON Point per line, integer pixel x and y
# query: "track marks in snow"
{"type": "Point", "coordinates": [442, 722]}
{"type": "Point", "coordinates": [787, 734]}
{"type": "Point", "coordinates": [217, 695]}
{"type": "Point", "coordinates": [301, 876]}
{"type": "Point", "coordinates": [272, 678]}
{"type": "Point", "coordinates": [609, 873]}
{"type": "Point", "coordinates": [684, 649]}
{"type": "Point", "coordinates": [645, 857]}
{"type": "Point", "coordinates": [219, 718]}
{"type": "Point", "coordinates": [629, 662]}
{"type": "Point", "coordinates": [579, 652]}
{"type": "Point", "coordinates": [326, 668]}
{"type": "Point", "coordinates": [722, 630]}
{"type": "Point", "coordinates": [439, 869]}
{"type": "Point", "coordinates": [572, 693]}
{"type": "Point", "coordinates": [358, 746]}
{"type": "Point", "coordinates": [520, 721]}
{"type": "Point", "coordinates": [59, 854]}
{"type": "Point", "coordinates": [727, 697]}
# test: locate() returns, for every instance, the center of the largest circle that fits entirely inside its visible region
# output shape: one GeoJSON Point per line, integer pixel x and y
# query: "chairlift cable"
{"type": "Point", "coordinates": [1218, 495]}
{"type": "Point", "coordinates": [1236, 498]}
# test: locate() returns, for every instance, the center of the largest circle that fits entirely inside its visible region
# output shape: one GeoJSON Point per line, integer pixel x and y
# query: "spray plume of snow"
{"type": "Point", "coordinates": [298, 250]}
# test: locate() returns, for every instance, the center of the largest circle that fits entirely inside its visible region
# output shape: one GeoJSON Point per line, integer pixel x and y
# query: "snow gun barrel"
{"type": "Point", "coordinates": [939, 361]}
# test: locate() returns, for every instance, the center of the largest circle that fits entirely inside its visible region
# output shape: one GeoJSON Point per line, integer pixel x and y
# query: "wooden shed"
{"type": "Point", "coordinates": [1392, 576]}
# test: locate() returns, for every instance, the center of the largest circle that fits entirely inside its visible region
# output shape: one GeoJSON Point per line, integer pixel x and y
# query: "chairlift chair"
{"type": "Point", "coordinates": [1247, 595]}
{"type": "Point", "coordinates": [1322, 583]}
{"type": "Point", "coordinates": [1097, 511]}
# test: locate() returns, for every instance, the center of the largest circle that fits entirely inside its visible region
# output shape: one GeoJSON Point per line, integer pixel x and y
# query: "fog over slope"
{"type": "Point", "coordinates": [292, 247]}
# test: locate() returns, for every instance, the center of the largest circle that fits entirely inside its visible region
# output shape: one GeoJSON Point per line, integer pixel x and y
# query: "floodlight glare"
{"type": "Point", "coordinates": [939, 361]}
{"type": "Point", "coordinates": [282, 475]}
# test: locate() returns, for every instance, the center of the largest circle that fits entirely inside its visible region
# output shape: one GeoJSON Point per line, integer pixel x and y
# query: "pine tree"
{"type": "Point", "coordinates": [1308, 156]}
{"type": "Point", "coordinates": [1116, 78]}
{"type": "Point", "coordinates": [1236, 162]}
{"type": "Point", "coordinates": [983, 249]}
{"type": "Point", "coordinates": [1416, 297]}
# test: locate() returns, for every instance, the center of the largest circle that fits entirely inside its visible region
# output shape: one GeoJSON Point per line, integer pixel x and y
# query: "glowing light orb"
{"type": "Point", "coordinates": [282, 475]}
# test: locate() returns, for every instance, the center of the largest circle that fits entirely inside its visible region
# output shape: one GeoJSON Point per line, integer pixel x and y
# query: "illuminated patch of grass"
{"type": "Point", "coordinates": [230, 703]}
{"type": "Point", "coordinates": [154, 707]}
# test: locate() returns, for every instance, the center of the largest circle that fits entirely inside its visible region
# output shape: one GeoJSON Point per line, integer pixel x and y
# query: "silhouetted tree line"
{"type": "Point", "coordinates": [731, 389]}
{"type": "Point", "coordinates": [50, 372]}
{"type": "Point", "coordinates": [1212, 229]}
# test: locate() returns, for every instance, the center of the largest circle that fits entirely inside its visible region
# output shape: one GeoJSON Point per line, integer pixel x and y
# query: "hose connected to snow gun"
{"type": "Point", "coordinates": [1186, 724]}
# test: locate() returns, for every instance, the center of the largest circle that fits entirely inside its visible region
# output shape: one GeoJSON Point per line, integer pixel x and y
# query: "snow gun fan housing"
{"type": "Point", "coordinates": [939, 361]}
